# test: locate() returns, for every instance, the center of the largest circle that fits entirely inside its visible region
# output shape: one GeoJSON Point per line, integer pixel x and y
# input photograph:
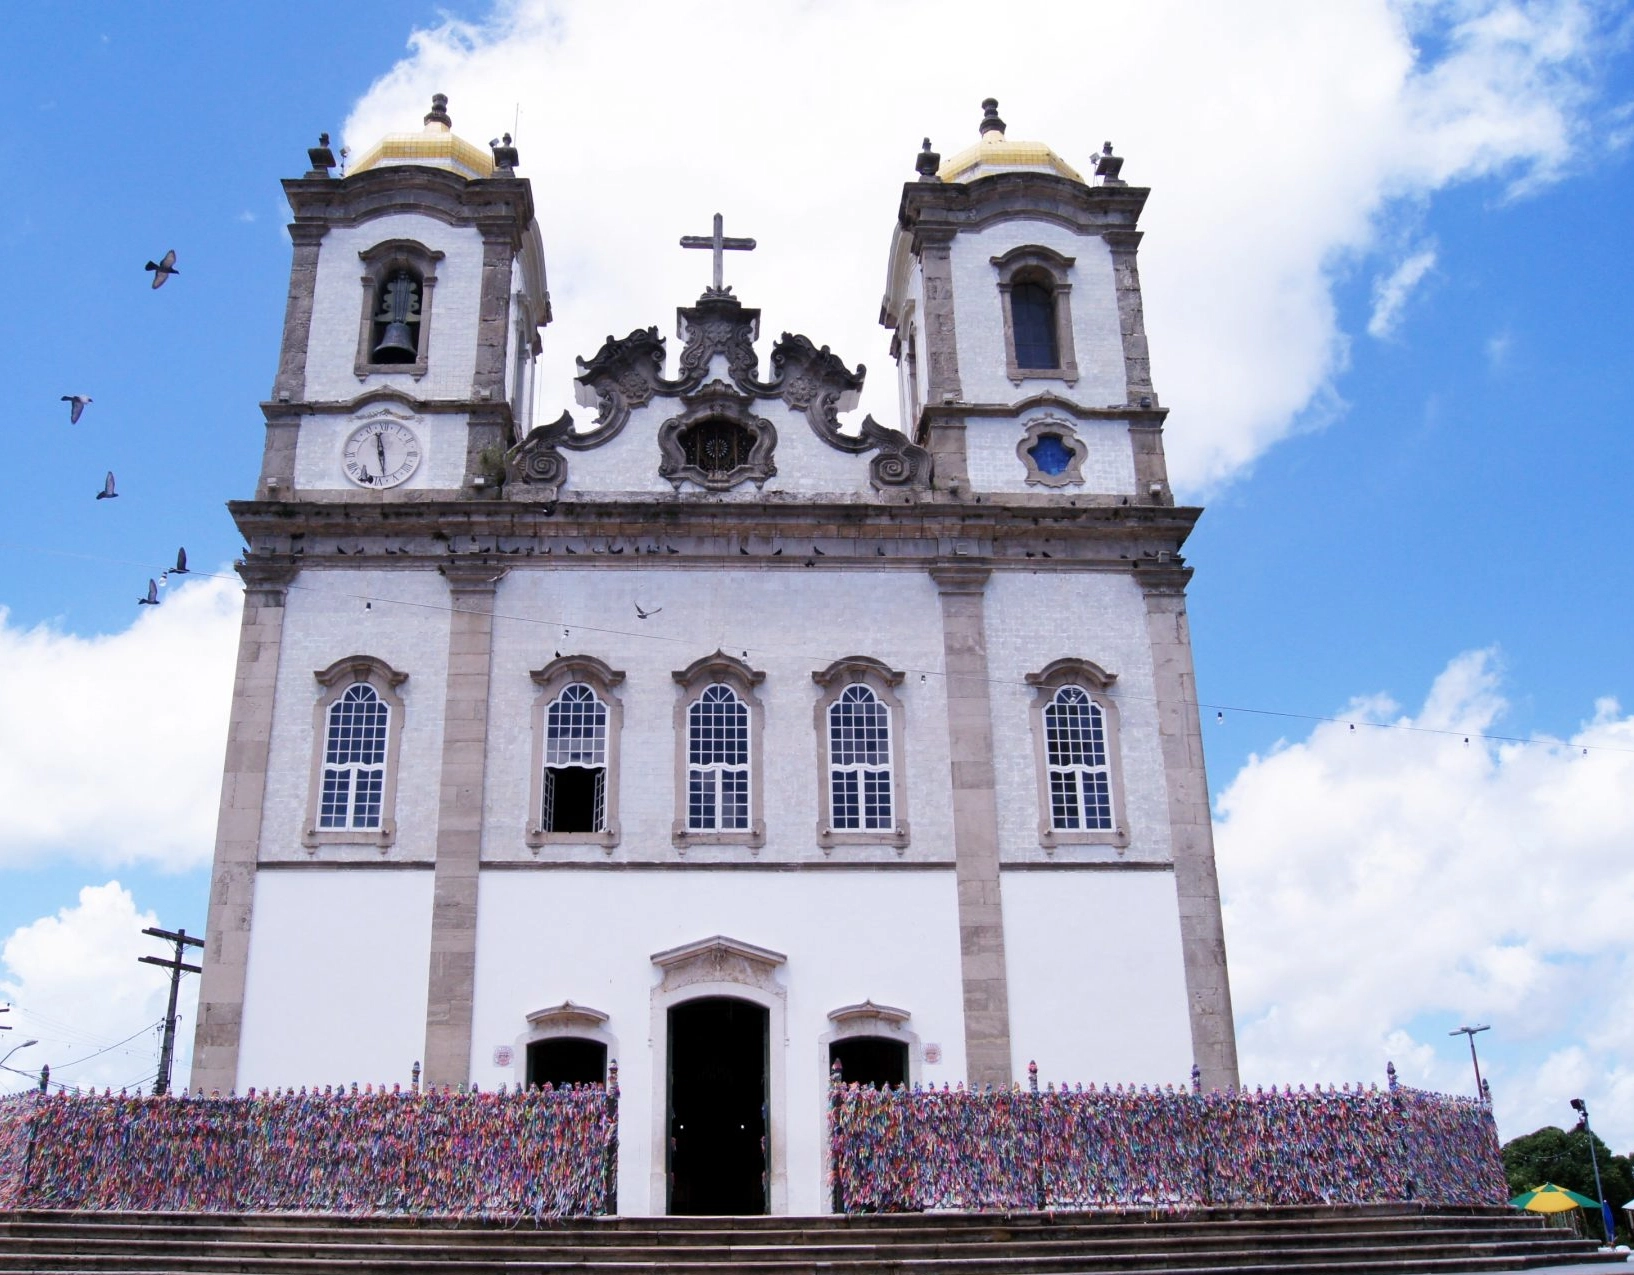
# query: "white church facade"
{"type": "Point", "coordinates": [715, 732]}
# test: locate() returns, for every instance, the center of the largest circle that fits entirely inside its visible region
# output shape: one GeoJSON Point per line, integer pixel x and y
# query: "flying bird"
{"type": "Point", "coordinates": [152, 599]}
{"type": "Point", "coordinates": [163, 268]}
{"type": "Point", "coordinates": [107, 492]}
{"type": "Point", "coordinates": [180, 568]}
{"type": "Point", "coordinates": [642, 614]}
{"type": "Point", "coordinates": [78, 409]}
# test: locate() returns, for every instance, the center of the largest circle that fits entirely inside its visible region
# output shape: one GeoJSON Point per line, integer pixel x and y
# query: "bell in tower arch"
{"type": "Point", "coordinates": [397, 320]}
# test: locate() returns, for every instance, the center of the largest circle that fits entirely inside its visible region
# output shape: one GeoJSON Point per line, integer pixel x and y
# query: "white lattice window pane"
{"type": "Point", "coordinates": [876, 799]}
{"type": "Point", "coordinates": [1064, 807]}
{"type": "Point", "coordinates": [859, 729]}
{"type": "Point", "coordinates": [601, 800]}
{"type": "Point", "coordinates": [368, 789]}
{"type": "Point", "coordinates": [547, 801]}
{"type": "Point", "coordinates": [357, 728]}
{"type": "Point", "coordinates": [846, 808]}
{"type": "Point", "coordinates": [337, 799]}
{"type": "Point", "coordinates": [576, 728]}
{"type": "Point", "coordinates": [734, 798]}
{"type": "Point", "coordinates": [1097, 800]}
{"type": "Point", "coordinates": [1072, 729]}
{"type": "Point", "coordinates": [701, 799]}
{"type": "Point", "coordinates": [718, 729]}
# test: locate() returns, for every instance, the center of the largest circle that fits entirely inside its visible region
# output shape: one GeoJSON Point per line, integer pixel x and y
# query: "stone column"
{"type": "Point", "coordinates": [975, 825]}
{"type": "Point", "coordinates": [1137, 362]}
{"type": "Point", "coordinates": [1202, 933]}
{"type": "Point", "coordinates": [290, 384]}
{"type": "Point", "coordinates": [238, 827]}
{"type": "Point", "coordinates": [487, 430]}
{"type": "Point", "coordinates": [946, 435]}
{"type": "Point", "coordinates": [452, 983]}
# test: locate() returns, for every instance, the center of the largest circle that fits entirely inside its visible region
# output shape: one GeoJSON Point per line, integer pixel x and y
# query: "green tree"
{"type": "Point", "coordinates": [1562, 1157]}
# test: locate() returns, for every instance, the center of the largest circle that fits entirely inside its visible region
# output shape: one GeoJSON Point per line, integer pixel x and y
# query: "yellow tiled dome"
{"type": "Point", "coordinates": [996, 153]}
{"type": "Point", "coordinates": [434, 147]}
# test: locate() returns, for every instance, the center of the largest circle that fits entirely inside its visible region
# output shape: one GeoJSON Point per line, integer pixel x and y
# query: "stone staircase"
{"type": "Point", "coordinates": [1360, 1240]}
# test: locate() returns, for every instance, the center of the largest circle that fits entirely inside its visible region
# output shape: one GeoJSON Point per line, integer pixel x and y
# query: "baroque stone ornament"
{"type": "Point", "coordinates": [716, 442]}
{"type": "Point", "coordinates": [627, 373]}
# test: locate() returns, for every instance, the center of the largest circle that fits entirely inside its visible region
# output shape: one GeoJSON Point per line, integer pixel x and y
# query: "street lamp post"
{"type": "Point", "coordinates": [14, 1049]}
{"type": "Point", "coordinates": [1579, 1106]}
{"type": "Point", "coordinates": [1470, 1032]}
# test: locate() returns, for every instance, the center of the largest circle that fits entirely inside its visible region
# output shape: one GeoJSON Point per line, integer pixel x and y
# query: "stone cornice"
{"type": "Point", "coordinates": [1137, 417]}
{"type": "Point", "coordinates": [499, 206]}
{"type": "Point", "coordinates": [932, 210]}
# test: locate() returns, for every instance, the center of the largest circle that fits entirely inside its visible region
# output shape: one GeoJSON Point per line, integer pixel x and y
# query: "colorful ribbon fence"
{"type": "Point", "coordinates": [905, 1150]}
{"type": "Point", "coordinates": [541, 1152]}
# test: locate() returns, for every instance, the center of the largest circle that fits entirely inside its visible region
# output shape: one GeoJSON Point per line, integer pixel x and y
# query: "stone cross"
{"type": "Point", "coordinates": [719, 244]}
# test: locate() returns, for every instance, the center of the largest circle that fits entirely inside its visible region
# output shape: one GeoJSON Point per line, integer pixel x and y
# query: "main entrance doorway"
{"type": "Point", "coordinates": [717, 1107]}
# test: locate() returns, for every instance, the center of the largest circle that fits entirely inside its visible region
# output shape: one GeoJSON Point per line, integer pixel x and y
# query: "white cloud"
{"type": "Point", "coordinates": [1279, 138]}
{"type": "Point", "coordinates": [1498, 348]}
{"type": "Point", "coordinates": [1390, 292]}
{"type": "Point", "coordinates": [114, 745]}
{"type": "Point", "coordinates": [1383, 886]}
{"type": "Point", "coordinates": [77, 987]}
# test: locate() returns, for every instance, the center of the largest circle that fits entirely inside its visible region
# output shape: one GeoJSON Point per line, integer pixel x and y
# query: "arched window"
{"type": "Point", "coordinates": [1080, 780]}
{"type": "Point", "coordinates": [1080, 775]}
{"type": "Point", "coordinates": [717, 761]}
{"type": "Point", "coordinates": [354, 760]}
{"type": "Point", "coordinates": [576, 725]}
{"type": "Point", "coordinates": [860, 798]}
{"type": "Point", "coordinates": [859, 760]}
{"type": "Point", "coordinates": [1035, 296]}
{"type": "Point", "coordinates": [575, 778]}
{"type": "Point", "coordinates": [358, 723]}
{"type": "Point", "coordinates": [1032, 310]}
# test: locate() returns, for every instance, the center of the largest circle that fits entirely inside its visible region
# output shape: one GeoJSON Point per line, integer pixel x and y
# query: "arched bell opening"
{"type": "Point", "coordinates": [397, 315]}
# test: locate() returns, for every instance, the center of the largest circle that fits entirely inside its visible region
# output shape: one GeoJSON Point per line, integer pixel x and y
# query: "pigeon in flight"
{"type": "Point", "coordinates": [107, 492]}
{"type": "Point", "coordinates": [180, 568]}
{"type": "Point", "coordinates": [78, 409]}
{"type": "Point", "coordinates": [642, 614]}
{"type": "Point", "coordinates": [152, 599]}
{"type": "Point", "coordinates": [163, 268]}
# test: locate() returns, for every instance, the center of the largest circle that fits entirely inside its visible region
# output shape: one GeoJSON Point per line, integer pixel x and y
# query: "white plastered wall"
{"type": "Point", "coordinates": [1034, 618]}
{"type": "Point", "coordinates": [405, 624]}
{"type": "Point", "coordinates": [994, 465]}
{"type": "Point", "coordinates": [1097, 983]}
{"type": "Point", "coordinates": [589, 937]}
{"type": "Point", "coordinates": [336, 986]}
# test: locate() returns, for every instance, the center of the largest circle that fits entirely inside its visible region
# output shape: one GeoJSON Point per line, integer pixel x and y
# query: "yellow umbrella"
{"type": "Point", "coordinates": [1550, 1198]}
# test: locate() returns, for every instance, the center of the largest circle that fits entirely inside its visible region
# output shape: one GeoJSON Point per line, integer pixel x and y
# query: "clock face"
{"type": "Point", "coordinates": [381, 454]}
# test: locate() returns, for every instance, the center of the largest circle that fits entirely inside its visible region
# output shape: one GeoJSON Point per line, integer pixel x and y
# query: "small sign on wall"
{"type": "Point", "coordinates": [933, 1054]}
{"type": "Point", "coordinates": [504, 1055]}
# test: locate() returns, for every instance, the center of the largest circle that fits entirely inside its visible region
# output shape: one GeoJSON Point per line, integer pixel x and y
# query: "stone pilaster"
{"type": "Point", "coordinates": [1137, 362]}
{"type": "Point", "coordinates": [946, 436]}
{"type": "Point", "coordinates": [975, 825]}
{"type": "Point", "coordinates": [1202, 934]}
{"type": "Point", "coordinates": [290, 385]}
{"type": "Point", "coordinates": [238, 827]}
{"type": "Point", "coordinates": [451, 984]}
{"type": "Point", "coordinates": [493, 315]}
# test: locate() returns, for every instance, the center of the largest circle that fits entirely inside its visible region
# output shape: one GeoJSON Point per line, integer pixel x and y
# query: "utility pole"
{"type": "Point", "coordinates": [1579, 1106]}
{"type": "Point", "coordinates": [1470, 1032]}
{"type": "Point", "coordinates": [176, 966]}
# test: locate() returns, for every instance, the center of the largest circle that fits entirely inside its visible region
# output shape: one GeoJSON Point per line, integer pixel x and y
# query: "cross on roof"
{"type": "Point", "coordinates": [719, 243]}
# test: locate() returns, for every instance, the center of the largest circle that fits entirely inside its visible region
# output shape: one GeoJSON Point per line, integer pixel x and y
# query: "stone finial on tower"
{"type": "Point", "coordinates": [505, 156]}
{"type": "Point", "coordinates": [990, 117]}
{"type": "Point", "coordinates": [927, 162]}
{"type": "Point", "coordinates": [1108, 166]}
{"type": "Point", "coordinates": [439, 111]}
{"type": "Point", "coordinates": [321, 157]}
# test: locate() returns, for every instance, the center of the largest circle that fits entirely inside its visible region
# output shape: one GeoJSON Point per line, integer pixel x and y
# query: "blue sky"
{"type": "Point", "coordinates": [1416, 498]}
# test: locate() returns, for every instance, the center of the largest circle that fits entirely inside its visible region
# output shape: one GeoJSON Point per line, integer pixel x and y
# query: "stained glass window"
{"type": "Point", "coordinates": [1051, 454]}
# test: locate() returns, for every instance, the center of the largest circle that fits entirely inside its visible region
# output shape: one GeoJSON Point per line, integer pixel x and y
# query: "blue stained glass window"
{"type": "Point", "coordinates": [1051, 454]}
